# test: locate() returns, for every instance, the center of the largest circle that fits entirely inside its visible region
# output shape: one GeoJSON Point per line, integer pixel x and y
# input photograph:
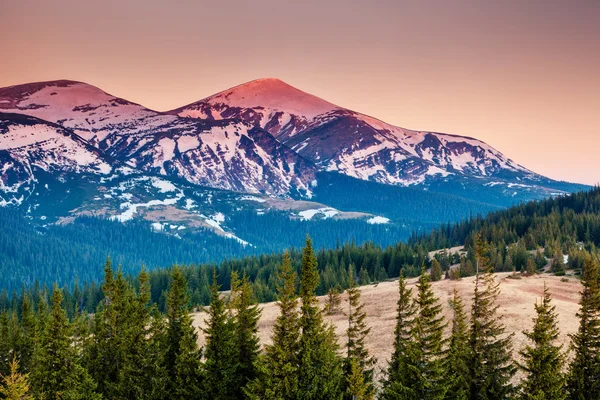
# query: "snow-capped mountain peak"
{"type": "Point", "coordinates": [264, 136]}
{"type": "Point", "coordinates": [84, 108]}
{"type": "Point", "coordinates": [275, 95]}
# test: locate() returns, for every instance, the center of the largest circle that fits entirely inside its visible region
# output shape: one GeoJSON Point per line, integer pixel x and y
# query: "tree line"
{"type": "Point", "coordinates": [127, 349]}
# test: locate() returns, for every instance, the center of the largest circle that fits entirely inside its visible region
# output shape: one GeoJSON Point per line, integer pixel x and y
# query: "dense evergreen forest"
{"type": "Point", "coordinates": [129, 350]}
{"type": "Point", "coordinates": [523, 238]}
{"type": "Point", "coordinates": [77, 250]}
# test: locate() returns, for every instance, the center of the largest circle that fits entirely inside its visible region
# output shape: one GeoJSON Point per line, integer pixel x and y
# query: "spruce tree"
{"type": "Point", "coordinates": [333, 301]}
{"type": "Point", "coordinates": [436, 270]}
{"type": "Point", "coordinates": [106, 351]}
{"type": "Point", "coordinates": [358, 360]}
{"type": "Point", "coordinates": [543, 361]}
{"type": "Point", "coordinates": [491, 365]}
{"type": "Point", "coordinates": [396, 384]}
{"type": "Point", "coordinates": [246, 319]}
{"type": "Point", "coordinates": [57, 372]}
{"type": "Point", "coordinates": [187, 373]}
{"type": "Point", "coordinates": [584, 371]}
{"type": "Point", "coordinates": [142, 375]}
{"type": "Point", "coordinates": [356, 386]}
{"type": "Point", "coordinates": [221, 356]}
{"type": "Point", "coordinates": [458, 352]}
{"type": "Point", "coordinates": [320, 369]}
{"type": "Point", "coordinates": [182, 358]}
{"type": "Point", "coordinates": [540, 260]}
{"type": "Point", "coordinates": [15, 386]}
{"type": "Point", "coordinates": [278, 368]}
{"type": "Point", "coordinates": [425, 355]}
{"type": "Point", "coordinates": [27, 334]}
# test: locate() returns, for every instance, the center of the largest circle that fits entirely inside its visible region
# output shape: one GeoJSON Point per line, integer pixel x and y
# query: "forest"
{"type": "Point", "coordinates": [128, 349]}
{"type": "Point", "coordinates": [523, 238]}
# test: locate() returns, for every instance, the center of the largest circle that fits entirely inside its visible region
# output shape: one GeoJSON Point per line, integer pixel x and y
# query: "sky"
{"type": "Point", "coordinates": [521, 75]}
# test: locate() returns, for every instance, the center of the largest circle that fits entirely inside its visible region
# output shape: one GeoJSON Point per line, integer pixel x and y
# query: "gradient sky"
{"type": "Point", "coordinates": [522, 75]}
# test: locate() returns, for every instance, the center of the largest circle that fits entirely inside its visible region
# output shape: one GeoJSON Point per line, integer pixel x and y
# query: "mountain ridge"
{"type": "Point", "coordinates": [264, 138]}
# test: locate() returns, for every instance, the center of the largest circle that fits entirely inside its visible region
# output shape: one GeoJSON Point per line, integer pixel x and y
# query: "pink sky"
{"type": "Point", "coordinates": [523, 75]}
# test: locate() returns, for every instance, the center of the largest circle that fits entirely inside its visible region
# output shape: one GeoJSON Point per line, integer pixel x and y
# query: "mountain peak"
{"type": "Point", "coordinates": [273, 94]}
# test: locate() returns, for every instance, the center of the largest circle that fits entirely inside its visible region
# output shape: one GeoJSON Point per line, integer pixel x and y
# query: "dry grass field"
{"type": "Point", "coordinates": [516, 302]}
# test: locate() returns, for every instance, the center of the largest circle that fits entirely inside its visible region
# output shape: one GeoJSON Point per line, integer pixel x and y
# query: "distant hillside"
{"type": "Point", "coordinates": [538, 235]}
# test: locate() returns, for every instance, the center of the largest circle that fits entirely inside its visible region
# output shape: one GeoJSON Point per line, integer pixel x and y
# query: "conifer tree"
{"type": "Point", "coordinates": [436, 270]}
{"type": "Point", "coordinates": [558, 264]}
{"type": "Point", "coordinates": [396, 384]}
{"type": "Point", "coordinates": [106, 351]}
{"type": "Point", "coordinates": [531, 267]}
{"type": "Point", "coordinates": [27, 333]}
{"type": "Point", "coordinates": [540, 260]}
{"type": "Point", "coordinates": [543, 361]}
{"type": "Point", "coordinates": [57, 372]}
{"type": "Point", "coordinates": [187, 374]}
{"type": "Point", "coordinates": [15, 386]}
{"type": "Point", "coordinates": [278, 369]}
{"type": "Point", "coordinates": [491, 365]}
{"type": "Point", "coordinates": [359, 364]}
{"type": "Point", "coordinates": [458, 352]}
{"type": "Point", "coordinates": [584, 372]}
{"type": "Point", "coordinates": [246, 319]}
{"type": "Point", "coordinates": [425, 355]}
{"type": "Point", "coordinates": [182, 358]}
{"type": "Point", "coordinates": [221, 357]}
{"type": "Point", "coordinates": [356, 387]}
{"type": "Point", "coordinates": [142, 374]}
{"type": "Point", "coordinates": [332, 304]}
{"type": "Point", "coordinates": [320, 369]}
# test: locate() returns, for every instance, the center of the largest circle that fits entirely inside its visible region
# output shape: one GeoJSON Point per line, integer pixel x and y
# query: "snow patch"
{"type": "Point", "coordinates": [378, 220]}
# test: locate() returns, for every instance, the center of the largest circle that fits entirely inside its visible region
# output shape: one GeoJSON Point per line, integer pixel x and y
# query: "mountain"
{"type": "Point", "coordinates": [228, 155]}
{"type": "Point", "coordinates": [30, 147]}
{"type": "Point", "coordinates": [260, 156]}
{"type": "Point", "coordinates": [357, 145]}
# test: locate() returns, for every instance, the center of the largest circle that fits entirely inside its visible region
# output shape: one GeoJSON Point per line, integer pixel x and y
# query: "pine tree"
{"type": "Point", "coordinates": [540, 260]}
{"type": "Point", "coordinates": [356, 386]}
{"type": "Point", "coordinates": [246, 319]}
{"type": "Point", "coordinates": [584, 372]}
{"type": "Point", "coordinates": [358, 360]}
{"type": "Point", "coordinates": [425, 353]}
{"type": "Point", "coordinates": [57, 373]}
{"type": "Point", "coordinates": [278, 369]}
{"type": "Point", "coordinates": [182, 358]}
{"type": "Point", "coordinates": [187, 373]}
{"type": "Point", "coordinates": [396, 384]}
{"type": "Point", "coordinates": [142, 374]}
{"type": "Point", "coordinates": [491, 365]}
{"type": "Point", "coordinates": [436, 270]}
{"type": "Point", "coordinates": [27, 333]}
{"type": "Point", "coordinates": [531, 267]}
{"type": "Point", "coordinates": [320, 372]}
{"type": "Point", "coordinates": [106, 351]}
{"type": "Point", "coordinates": [221, 357]}
{"type": "Point", "coordinates": [558, 263]}
{"type": "Point", "coordinates": [15, 386]}
{"type": "Point", "coordinates": [363, 277]}
{"type": "Point", "coordinates": [333, 301]}
{"type": "Point", "coordinates": [458, 352]}
{"type": "Point", "coordinates": [543, 361]}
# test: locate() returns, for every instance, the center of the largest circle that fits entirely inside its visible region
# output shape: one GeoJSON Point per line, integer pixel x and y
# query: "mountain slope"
{"type": "Point", "coordinates": [70, 150]}
{"type": "Point", "coordinates": [354, 144]}
{"type": "Point", "coordinates": [30, 147]}
{"type": "Point", "coordinates": [220, 154]}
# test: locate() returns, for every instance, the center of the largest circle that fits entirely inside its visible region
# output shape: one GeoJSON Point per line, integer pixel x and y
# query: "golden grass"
{"type": "Point", "coordinates": [516, 302]}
